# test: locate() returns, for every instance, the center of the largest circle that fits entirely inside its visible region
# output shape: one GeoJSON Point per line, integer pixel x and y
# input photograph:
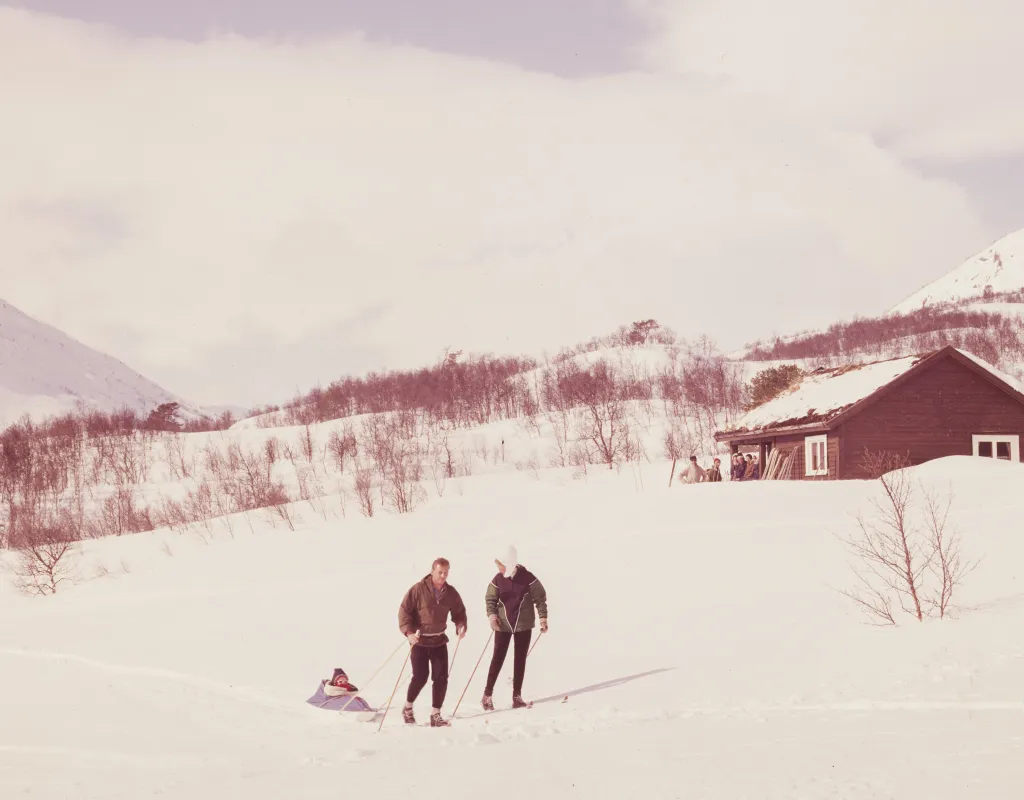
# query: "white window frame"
{"type": "Point", "coordinates": [809, 444]}
{"type": "Point", "coordinates": [1012, 438]}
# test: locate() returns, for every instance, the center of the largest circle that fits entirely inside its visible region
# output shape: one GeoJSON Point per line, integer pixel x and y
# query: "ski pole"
{"type": "Point", "coordinates": [473, 673]}
{"type": "Point", "coordinates": [400, 674]}
{"type": "Point", "coordinates": [374, 675]}
{"type": "Point", "coordinates": [457, 643]}
{"type": "Point", "coordinates": [536, 641]}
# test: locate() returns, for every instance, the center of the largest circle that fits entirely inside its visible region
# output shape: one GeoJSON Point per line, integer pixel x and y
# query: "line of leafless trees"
{"type": "Point", "coordinates": [462, 390]}
{"type": "Point", "coordinates": [88, 474]}
{"type": "Point", "coordinates": [57, 490]}
{"type": "Point", "coordinates": [997, 338]}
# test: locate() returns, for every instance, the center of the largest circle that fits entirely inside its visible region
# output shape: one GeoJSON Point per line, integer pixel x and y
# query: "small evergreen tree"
{"type": "Point", "coordinates": [164, 418]}
{"type": "Point", "coordinates": [770, 383]}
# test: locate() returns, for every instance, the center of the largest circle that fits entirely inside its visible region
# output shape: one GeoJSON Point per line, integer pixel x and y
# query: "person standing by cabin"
{"type": "Point", "coordinates": [510, 600]}
{"type": "Point", "coordinates": [423, 618]}
{"type": "Point", "coordinates": [714, 475]}
{"type": "Point", "coordinates": [694, 472]}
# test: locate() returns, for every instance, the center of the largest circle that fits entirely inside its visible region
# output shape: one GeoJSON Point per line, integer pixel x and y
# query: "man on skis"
{"type": "Point", "coordinates": [423, 618]}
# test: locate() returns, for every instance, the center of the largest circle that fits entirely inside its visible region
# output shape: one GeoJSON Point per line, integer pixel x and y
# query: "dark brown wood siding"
{"type": "Point", "coordinates": [796, 442]}
{"type": "Point", "coordinates": [933, 414]}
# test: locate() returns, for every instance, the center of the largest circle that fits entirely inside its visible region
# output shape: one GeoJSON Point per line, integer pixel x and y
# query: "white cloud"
{"type": "Point", "coordinates": [166, 201]}
{"type": "Point", "coordinates": [938, 78]}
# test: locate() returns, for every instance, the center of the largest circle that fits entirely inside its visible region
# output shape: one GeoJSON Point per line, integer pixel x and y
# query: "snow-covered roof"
{"type": "Point", "coordinates": [823, 394]}
{"type": "Point", "coordinates": [1012, 382]}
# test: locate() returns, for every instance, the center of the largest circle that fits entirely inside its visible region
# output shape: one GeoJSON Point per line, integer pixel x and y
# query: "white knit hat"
{"type": "Point", "coordinates": [510, 558]}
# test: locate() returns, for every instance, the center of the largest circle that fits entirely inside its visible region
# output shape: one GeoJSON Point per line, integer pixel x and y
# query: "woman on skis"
{"type": "Point", "coordinates": [511, 597]}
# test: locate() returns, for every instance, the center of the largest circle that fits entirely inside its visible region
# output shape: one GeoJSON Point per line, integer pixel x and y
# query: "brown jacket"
{"type": "Point", "coordinates": [421, 611]}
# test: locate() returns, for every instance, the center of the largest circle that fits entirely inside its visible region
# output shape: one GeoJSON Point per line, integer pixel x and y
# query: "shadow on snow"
{"type": "Point", "coordinates": [595, 687]}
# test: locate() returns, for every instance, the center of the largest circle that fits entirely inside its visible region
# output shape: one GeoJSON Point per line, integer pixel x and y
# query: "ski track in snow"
{"type": "Point", "coordinates": [239, 693]}
{"type": "Point", "coordinates": [86, 755]}
{"type": "Point", "coordinates": [548, 716]}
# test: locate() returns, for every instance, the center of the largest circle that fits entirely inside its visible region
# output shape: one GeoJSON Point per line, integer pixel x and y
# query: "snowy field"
{"type": "Point", "coordinates": [698, 648]}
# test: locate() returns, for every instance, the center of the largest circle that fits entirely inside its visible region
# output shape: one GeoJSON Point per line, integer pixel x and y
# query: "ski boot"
{"type": "Point", "coordinates": [408, 716]}
{"type": "Point", "coordinates": [519, 702]}
{"type": "Point", "coordinates": [487, 703]}
{"type": "Point", "coordinates": [437, 722]}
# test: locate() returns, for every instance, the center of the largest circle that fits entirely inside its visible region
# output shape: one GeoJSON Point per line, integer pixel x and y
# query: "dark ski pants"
{"type": "Point", "coordinates": [501, 643]}
{"type": "Point", "coordinates": [435, 661]}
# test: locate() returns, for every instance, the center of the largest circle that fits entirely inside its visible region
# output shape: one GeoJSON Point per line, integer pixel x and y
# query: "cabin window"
{"type": "Point", "coordinates": [1001, 446]}
{"type": "Point", "coordinates": [816, 455]}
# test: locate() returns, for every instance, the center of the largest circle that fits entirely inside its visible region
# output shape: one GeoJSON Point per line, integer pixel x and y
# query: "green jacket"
{"type": "Point", "coordinates": [513, 600]}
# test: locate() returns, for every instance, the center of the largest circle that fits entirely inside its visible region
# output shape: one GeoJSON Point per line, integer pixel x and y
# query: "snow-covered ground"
{"type": "Point", "coordinates": [698, 648]}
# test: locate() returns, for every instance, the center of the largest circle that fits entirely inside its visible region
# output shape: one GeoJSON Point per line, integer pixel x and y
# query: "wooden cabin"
{"type": "Point", "coordinates": [946, 402]}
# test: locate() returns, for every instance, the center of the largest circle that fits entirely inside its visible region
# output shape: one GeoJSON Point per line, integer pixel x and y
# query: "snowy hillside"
{"type": "Point", "coordinates": [999, 268]}
{"type": "Point", "coordinates": [693, 651]}
{"type": "Point", "coordinates": [636, 363]}
{"type": "Point", "coordinates": [45, 372]}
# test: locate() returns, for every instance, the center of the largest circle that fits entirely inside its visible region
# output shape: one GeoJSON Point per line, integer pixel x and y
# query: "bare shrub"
{"type": "Point", "coordinates": [677, 444]}
{"type": "Point", "coordinates": [449, 464]}
{"type": "Point", "coordinates": [438, 473]}
{"type": "Point", "coordinates": [947, 564]}
{"type": "Point", "coordinates": [342, 499]}
{"type": "Point", "coordinates": [530, 465]}
{"type": "Point", "coordinates": [402, 475]}
{"type": "Point", "coordinates": [178, 465]}
{"type": "Point", "coordinates": [48, 559]}
{"type": "Point", "coordinates": [283, 511]}
{"type": "Point", "coordinates": [171, 514]}
{"type": "Point", "coordinates": [119, 514]}
{"type": "Point", "coordinates": [307, 443]}
{"type": "Point", "coordinates": [562, 428]}
{"type": "Point", "coordinates": [254, 486]}
{"type": "Point", "coordinates": [897, 555]}
{"type": "Point", "coordinates": [342, 446]}
{"type": "Point", "coordinates": [311, 490]}
{"type": "Point", "coordinates": [271, 447]}
{"type": "Point", "coordinates": [363, 487]}
{"type": "Point", "coordinates": [600, 395]}
{"type": "Point", "coordinates": [199, 504]}
{"type": "Point", "coordinates": [129, 458]}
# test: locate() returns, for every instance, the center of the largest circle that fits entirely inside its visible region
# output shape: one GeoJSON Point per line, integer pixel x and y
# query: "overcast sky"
{"type": "Point", "coordinates": [244, 199]}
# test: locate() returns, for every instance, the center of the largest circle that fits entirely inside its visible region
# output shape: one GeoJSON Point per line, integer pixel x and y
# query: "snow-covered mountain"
{"type": "Point", "coordinates": [44, 371]}
{"type": "Point", "coordinates": [997, 268]}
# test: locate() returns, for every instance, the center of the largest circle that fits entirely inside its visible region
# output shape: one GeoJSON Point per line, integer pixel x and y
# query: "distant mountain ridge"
{"type": "Point", "coordinates": [44, 371]}
{"type": "Point", "coordinates": [977, 307]}
{"type": "Point", "coordinates": [997, 269]}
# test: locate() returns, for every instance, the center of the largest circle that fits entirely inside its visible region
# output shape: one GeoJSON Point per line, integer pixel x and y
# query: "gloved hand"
{"type": "Point", "coordinates": [543, 626]}
{"type": "Point", "coordinates": [414, 638]}
{"type": "Point", "coordinates": [495, 625]}
{"type": "Point", "coordinates": [460, 630]}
